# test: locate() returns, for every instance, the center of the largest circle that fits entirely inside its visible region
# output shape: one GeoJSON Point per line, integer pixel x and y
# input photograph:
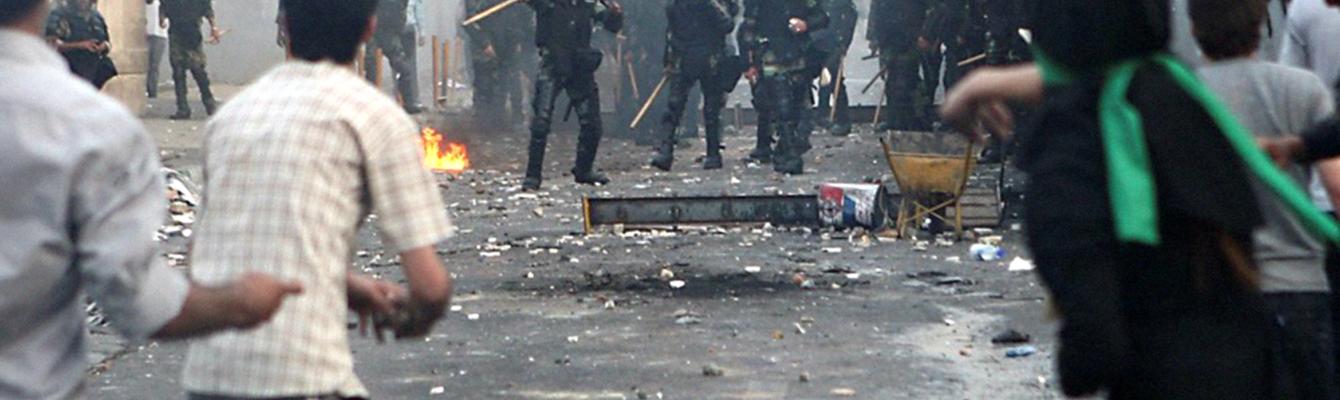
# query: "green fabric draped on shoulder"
{"type": "Point", "coordinates": [1131, 186]}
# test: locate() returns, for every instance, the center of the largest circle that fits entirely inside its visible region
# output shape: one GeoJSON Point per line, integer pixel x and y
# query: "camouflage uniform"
{"type": "Point", "coordinates": [568, 64]}
{"type": "Point", "coordinates": [390, 37]}
{"type": "Point", "coordinates": [186, 52]}
{"type": "Point", "coordinates": [842, 29]}
{"type": "Point", "coordinates": [894, 28]}
{"type": "Point", "coordinates": [784, 75]}
{"type": "Point", "coordinates": [696, 54]}
{"type": "Point", "coordinates": [497, 76]}
{"type": "Point", "coordinates": [70, 25]}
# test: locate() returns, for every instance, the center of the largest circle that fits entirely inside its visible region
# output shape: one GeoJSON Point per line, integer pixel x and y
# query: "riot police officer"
{"type": "Point", "coordinates": [775, 38]}
{"type": "Point", "coordinates": [896, 31]}
{"type": "Point", "coordinates": [568, 64]}
{"type": "Point", "coordinates": [696, 54]}
{"type": "Point", "coordinates": [497, 46]}
{"type": "Point", "coordinates": [842, 15]}
{"type": "Point", "coordinates": [398, 48]}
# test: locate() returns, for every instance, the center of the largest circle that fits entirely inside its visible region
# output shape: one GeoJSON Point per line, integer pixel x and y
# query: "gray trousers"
{"type": "Point", "coordinates": [157, 48]}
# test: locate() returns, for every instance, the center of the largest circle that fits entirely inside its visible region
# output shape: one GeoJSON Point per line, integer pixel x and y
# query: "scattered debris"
{"type": "Point", "coordinates": [712, 370]}
{"type": "Point", "coordinates": [677, 284]}
{"type": "Point", "coordinates": [986, 252]}
{"type": "Point", "coordinates": [1021, 351]}
{"type": "Point", "coordinates": [804, 377]}
{"type": "Point", "coordinates": [753, 269]}
{"type": "Point", "coordinates": [437, 390]}
{"type": "Point", "coordinates": [1021, 265]}
{"type": "Point", "coordinates": [799, 329]}
{"type": "Point", "coordinates": [1011, 336]}
{"type": "Point", "coordinates": [844, 392]}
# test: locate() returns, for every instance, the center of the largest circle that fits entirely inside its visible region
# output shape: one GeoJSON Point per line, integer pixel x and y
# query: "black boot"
{"type": "Point", "coordinates": [762, 153]}
{"type": "Point", "coordinates": [713, 160]}
{"type": "Point", "coordinates": [584, 171]}
{"type": "Point", "coordinates": [535, 161]}
{"type": "Point", "coordinates": [664, 159]}
{"type": "Point", "coordinates": [787, 159]}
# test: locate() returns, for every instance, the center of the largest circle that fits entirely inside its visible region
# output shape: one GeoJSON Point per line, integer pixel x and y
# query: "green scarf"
{"type": "Point", "coordinates": [1131, 187]}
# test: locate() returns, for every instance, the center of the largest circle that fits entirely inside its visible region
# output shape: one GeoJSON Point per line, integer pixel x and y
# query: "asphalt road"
{"type": "Point", "coordinates": [546, 312]}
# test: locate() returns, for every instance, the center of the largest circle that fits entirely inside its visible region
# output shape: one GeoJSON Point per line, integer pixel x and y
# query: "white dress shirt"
{"type": "Point", "coordinates": [80, 199]}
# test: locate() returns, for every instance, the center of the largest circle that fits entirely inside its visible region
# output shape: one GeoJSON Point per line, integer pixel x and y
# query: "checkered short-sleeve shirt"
{"type": "Point", "coordinates": [293, 164]}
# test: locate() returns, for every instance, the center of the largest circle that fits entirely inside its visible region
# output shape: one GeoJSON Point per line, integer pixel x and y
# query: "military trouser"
{"type": "Point", "coordinates": [788, 97]}
{"type": "Point", "coordinates": [397, 52]}
{"type": "Point", "coordinates": [763, 148]}
{"type": "Point", "coordinates": [713, 99]}
{"type": "Point", "coordinates": [900, 89]}
{"type": "Point", "coordinates": [826, 104]}
{"type": "Point", "coordinates": [931, 61]}
{"type": "Point", "coordinates": [186, 58]}
{"type": "Point", "coordinates": [584, 98]}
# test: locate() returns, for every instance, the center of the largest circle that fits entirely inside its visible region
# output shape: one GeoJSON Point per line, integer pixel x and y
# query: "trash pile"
{"type": "Point", "coordinates": [183, 197]}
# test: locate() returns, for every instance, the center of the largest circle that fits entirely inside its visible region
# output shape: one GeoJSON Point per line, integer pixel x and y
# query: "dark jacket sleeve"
{"type": "Point", "coordinates": [1322, 141]}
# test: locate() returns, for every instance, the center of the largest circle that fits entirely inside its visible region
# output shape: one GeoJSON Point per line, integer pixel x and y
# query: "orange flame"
{"type": "Point", "coordinates": [440, 155]}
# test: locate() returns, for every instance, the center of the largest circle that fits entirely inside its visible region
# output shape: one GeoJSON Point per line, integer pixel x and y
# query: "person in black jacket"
{"type": "Point", "coordinates": [696, 54]}
{"type": "Point", "coordinates": [897, 32]}
{"type": "Point", "coordinates": [568, 64]}
{"type": "Point", "coordinates": [1179, 317]}
{"type": "Point", "coordinates": [775, 41]}
{"type": "Point", "coordinates": [843, 17]}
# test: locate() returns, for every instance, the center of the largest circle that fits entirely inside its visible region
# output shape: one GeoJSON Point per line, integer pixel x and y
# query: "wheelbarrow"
{"type": "Point", "coordinates": [932, 172]}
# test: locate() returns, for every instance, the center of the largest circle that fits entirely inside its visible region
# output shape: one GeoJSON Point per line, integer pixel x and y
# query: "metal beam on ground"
{"type": "Point", "coordinates": [796, 210]}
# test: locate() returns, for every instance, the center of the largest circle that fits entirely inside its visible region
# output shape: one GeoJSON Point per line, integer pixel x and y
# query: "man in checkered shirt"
{"type": "Point", "coordinates": [293, 165]}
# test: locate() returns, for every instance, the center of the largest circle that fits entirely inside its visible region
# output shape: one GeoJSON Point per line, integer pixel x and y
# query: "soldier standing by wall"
{"type": "Point", "coordinates": [894, 29]}
{"type": "Point", "coordinates": [775, 38]}
{"type": "Point", "coordinates": [929, 44]}
{"type": "Point", "coordinates": [842, 17]}
{"type": "Point", "coordinates": [568, 63]}
{"type": "Point", "coordinates": [696, 54]}
{"type": "Point", "coordinates": [496, 50]}
{"type": "Point", "coordinates": [392, 23]}
{"type": "Point", "coordinates": [186, 51]}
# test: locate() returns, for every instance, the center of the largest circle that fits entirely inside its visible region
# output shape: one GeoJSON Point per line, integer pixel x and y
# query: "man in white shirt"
{"type": "Point", "coordinates": [157, 35]}
{"type": "Point", "coordinates": [294, 165]}
{"type": "Point", "coordinates": [82, 196]}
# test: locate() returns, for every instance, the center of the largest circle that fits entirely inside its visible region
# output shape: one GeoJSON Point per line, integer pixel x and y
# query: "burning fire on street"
{"type": "Point", "coordinates": [443, 156]}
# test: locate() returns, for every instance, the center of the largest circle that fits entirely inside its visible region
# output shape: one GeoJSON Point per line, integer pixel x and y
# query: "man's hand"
{"type": "Point", "coordinates": [752, 75]}
{"type": "Point", "coordinates": [1283, 150]}
{"type": "Point", "coordinates": [798, 25]}
{"type": "Point", "coordinates": [980, 104]}
{"type": "Point", "coordinates": [256, 297]}
{"type": "Point", "coordinates": [490, 52]}
{"type": "Point", "coordinates": [373, 300]}
{"type": "Point", "coordinates": [215, 34]}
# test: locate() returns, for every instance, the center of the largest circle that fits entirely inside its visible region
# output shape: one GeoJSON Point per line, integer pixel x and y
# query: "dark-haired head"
{"type": "Point", "coordinates": [325, 30]}
{"type": "Point", "coordinates": [1091, 34]}
{"type": "Point", "coordinates": [1228, 28]}
{"type": "Point", "coordinates": [15, 12]}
